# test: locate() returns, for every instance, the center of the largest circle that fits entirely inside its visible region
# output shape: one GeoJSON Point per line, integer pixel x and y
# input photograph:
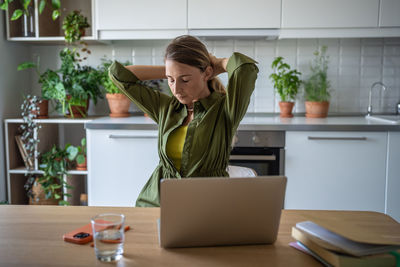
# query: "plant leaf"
{"type": "Point", "coordinates": [17, 13]}
{"type": "Point", "coordinates": [56, 14]}
{"type": "Point", "coordinates": [56, 4]}
{"type": "Point", "coordinates": [26, 65]}
{"type": "Point", "coordinates": [42, 5]}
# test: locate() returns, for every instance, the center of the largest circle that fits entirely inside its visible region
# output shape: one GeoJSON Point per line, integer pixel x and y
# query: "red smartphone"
{"type": "Point", "coordinates": [80, 235]}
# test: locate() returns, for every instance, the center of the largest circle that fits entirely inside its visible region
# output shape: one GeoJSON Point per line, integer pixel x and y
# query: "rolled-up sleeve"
{"type": "Point", "coordinates": [147, 99]}
{"type": "Point", "coordinates": [242, 75]}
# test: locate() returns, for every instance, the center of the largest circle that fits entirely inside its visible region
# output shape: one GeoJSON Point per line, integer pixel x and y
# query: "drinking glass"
{"type": "Point", "coordinates": [108, 234]}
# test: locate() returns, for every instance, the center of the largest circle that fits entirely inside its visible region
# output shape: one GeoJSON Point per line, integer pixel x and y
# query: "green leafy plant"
{"type": "Point", "coordinates": [317, 85]}
{"type": "Point", "coordinates": [79, 82]}
{"type": "Point", "coordinates": [108, 85]}
{"type": "Point", "coordinates": [56, 5]}
{"type": "Point", "coordinates": [54, 164]}
{"type": "Point", "coordinates": [70, 85]}
{"type": "Point", "coordinates": [286, 81]}
{"type": "Point", "coordinates": [74, 25]}
{"type": "Point", "coordinates": [78, 153]}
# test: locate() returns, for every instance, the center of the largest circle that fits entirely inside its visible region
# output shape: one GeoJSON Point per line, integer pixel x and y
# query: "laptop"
{"type": "Point", "coordinates": [216, 211]}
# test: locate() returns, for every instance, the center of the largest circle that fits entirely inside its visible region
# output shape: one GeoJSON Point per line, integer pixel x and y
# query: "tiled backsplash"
{"type": "Point", "coordinates": [354, 65]}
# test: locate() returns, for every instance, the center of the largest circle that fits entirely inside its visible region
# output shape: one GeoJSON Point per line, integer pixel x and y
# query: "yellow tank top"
{"type": "Point", "coordinates": [175, 145]}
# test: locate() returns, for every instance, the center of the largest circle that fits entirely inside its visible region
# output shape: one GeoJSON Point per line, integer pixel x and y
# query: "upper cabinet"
{"type": "Point", "coordinates": [42, 27]}
{"type": "Point", "coordinates": [340, 18]}
{"type": "Point", "coordinates": [329, 13]}
{"type": "Point", "coordinates": [389, 15]}
{"type": "Point", "coordinates": [138, 19]}
{"type": "Point", "coordinates": [228, 14]}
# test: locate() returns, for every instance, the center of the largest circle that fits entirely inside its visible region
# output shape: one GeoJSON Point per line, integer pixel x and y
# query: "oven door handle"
{"type": "Point", "coordinates": [253, 157]}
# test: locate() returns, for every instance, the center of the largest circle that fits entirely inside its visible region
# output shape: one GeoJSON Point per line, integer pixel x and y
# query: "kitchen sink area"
{"type": "Point", "coordinates": [388, 118]}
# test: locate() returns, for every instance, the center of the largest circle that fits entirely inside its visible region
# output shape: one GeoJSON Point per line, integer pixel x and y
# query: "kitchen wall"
{"type": "Point", "coordinates": [12, 86]}
{"type": "Point", "coordinates": [354, 65]}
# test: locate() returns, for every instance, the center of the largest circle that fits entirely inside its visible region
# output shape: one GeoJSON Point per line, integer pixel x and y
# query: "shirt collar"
{"type": "Point", "coordinates": [205, 102]}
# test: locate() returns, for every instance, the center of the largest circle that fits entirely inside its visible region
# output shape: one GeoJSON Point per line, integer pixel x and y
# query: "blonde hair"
{"type": "Point", "coordinates": [189, 50]}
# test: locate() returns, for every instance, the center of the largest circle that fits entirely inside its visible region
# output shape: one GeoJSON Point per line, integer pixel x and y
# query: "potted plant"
{"type": "Point", "coordinates": [78, 153]}
{"type": "Point", "coordinates": [317, 86]}
{"type": "Point", "coordinates": [286, 83]}
{"type": "Point", "coordinates": [117, 102]}
{"type": "Point", "coordinates": [56, 4]}
{"type": "Point", "coordinates": [54, 164]}
{"type": "Point", "coordinates": [74, 26]}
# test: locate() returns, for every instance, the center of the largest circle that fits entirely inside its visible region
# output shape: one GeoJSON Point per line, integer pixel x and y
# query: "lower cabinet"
{"type": "Point", "coordinates": [336, 170]}
{"type": "Point", "coordinates": [393, 176]}
{"type": "Point", "coordinates": [120, 163]}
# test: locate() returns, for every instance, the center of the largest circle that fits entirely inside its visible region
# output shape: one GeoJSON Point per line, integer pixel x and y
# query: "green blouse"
{"type": "Point", "coordinates": [208, 140]}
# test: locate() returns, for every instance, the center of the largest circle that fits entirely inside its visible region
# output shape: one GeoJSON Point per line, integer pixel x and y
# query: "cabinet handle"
{"type": "Point", "coordinates": [252, 157]}
{"type": "Point", "coordinates": [114, 136]}
{"type": "Point", "coordinates": [338, 138]}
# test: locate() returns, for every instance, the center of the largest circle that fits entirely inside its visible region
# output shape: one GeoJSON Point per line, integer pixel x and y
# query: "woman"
{"type": "Point", "coordinates": [196, 124]}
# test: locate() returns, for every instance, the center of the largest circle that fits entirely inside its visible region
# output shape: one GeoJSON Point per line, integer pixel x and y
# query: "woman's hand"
{"type": "Point", "coordinates": [218, 65]}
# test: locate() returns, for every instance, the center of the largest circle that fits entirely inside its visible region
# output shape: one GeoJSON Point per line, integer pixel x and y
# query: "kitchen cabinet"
{"type": "Point", "coordinates": [226, 14]}
{"type": "Point", "coordinates": [45, 29]}
{"type": "Point", "coordinates": [336, 170]}
{"type": "Point", "coordinates": [393, 176]}
{"type": "Point", "coordinates": [119, 163]}
{"type": "Point", "coordinates": [136, 19]}
{"type": "Point", "coordinates": [389, 13]}
{"type": "Point", "coordinates": [330, 13]}
{"type": "Point", "coordinates": [56, 131]}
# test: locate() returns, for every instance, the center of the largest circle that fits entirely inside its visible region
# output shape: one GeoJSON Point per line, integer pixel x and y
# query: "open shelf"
{"type": "Point", "coordinates": [45, 28]}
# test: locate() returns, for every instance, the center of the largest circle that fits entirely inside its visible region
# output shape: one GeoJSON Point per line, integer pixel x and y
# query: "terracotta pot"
{"type": "Point", "coordinates": [78, 110]}
{"type": "Point", "coordinates": [81, 167]}
{"type": "Point", "coordinates": [40, 197]}
{"type": "Point", "coordinates": [43, 112]}
{"type": "Point", "coordinates": [317, 109]}
{"type": "Point", "coordinates": [286, 109]}
{"type": "Point", "coordinates": [119, 105]}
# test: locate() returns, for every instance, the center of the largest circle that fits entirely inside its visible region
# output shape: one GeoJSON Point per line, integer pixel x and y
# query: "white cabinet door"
{"type": "Point", "coordinates": [234, 14]}
{"type": "Point", "coordinates": [120, 163]}
{"type": "Point", "coordinates": [393, 176]}
{"type": "Point", "coordinates": [336, 170]}
{"type": "Point", "coordinates": [140, 14]}
{"type": "Point", "coordinates": [389, 15]}
{"type": "Point", "coordinates": [329, 13]}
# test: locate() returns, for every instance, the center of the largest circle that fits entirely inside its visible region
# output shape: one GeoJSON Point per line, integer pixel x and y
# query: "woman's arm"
{"type": "Point", "coordinates": [144, 72]}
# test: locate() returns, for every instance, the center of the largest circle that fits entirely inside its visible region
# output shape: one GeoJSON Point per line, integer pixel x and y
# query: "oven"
{"type": "Point", "coordinates": [263, 151]}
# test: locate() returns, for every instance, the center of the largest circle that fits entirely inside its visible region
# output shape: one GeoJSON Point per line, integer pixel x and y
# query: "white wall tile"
{"type": "Point", "coordinates": [354, 64]}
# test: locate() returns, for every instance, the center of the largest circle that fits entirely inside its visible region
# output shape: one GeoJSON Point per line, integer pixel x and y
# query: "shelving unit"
{"type": "Point", "coordinates": [45, 28]}
{"type": "Point", "coordinates": [57, 131]}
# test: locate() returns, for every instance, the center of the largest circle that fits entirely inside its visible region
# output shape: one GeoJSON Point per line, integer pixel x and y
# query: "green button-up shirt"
{"type": "Point", "coordinates": [208, 140]}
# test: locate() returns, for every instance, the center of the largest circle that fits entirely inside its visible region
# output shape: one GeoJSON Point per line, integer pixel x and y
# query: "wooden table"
{"type": "Point", "coordinates": [32, 236]}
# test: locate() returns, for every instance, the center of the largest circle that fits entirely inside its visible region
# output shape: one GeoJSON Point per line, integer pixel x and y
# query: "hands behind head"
{"type": "Point", "coordinates": [218, 65]}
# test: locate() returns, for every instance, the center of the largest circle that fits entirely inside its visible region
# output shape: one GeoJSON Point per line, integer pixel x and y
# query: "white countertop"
{"type": "Point", "coordinates": [262, 123]}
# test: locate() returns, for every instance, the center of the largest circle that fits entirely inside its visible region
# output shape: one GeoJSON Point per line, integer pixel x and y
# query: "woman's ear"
{"type": "Point", "coordinates": [208, 73]}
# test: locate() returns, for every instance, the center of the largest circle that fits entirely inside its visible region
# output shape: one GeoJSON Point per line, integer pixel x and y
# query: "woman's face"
{"type": "Point", "coordinates": [188, 84]}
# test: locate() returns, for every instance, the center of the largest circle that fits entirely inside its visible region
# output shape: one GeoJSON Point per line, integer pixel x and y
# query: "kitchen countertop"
{"type": "Point", "coordinates": [256, 122]}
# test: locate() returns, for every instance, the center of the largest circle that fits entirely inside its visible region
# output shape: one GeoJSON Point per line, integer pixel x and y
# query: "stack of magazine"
{"type": "Point", "coordinates": [373, 243]}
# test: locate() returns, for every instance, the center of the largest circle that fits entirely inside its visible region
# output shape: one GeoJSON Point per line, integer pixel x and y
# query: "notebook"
{"type": "Point", "coordinates": [220, 211]}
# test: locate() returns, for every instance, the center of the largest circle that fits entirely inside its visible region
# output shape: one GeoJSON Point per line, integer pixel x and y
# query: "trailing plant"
{"type": "Point", "coordinates": [54, 164]}
{"type": "Point", "coordinates": [28, 129]}
{"type": "Point", "coordinates": [56, 5]}
{"type": "Point", "coordinates": [286, 81]}
{"type": "Point", "coordinates": [74, 25]}
{"type": "Point", "coordinates": [317, 86]}
{"type": "Point", "coordinates": [29, 109]}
